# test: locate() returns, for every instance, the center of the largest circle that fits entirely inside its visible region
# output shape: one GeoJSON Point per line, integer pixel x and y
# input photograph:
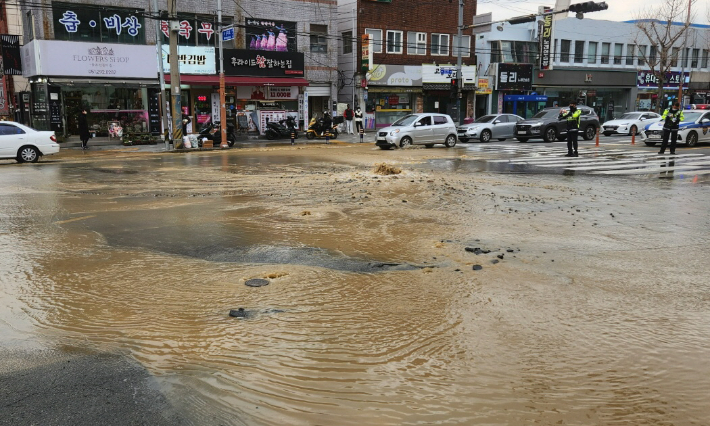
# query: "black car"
{"type": "Point", "coordinates": [546, 125]}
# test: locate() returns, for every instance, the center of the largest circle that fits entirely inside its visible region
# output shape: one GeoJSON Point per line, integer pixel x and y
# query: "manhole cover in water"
{"type": "Point", "coordinates": [257, 282]}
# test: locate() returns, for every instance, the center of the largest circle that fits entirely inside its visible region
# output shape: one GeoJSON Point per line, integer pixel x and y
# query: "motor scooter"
{"type": "Point", "coordinates": [276, 130]}
{"type": "Point", "coordinates": [316, 129]}
{"type": "Point", "coordinates": [213, 133]}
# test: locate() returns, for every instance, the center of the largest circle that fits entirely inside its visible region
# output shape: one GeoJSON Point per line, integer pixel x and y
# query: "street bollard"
{"type": "Point", "coordinates": [633, 136]}
{"type": "Point", "coordinates": [293, 137]}
{"type": "Point", "coordinates": [597, 143]}
{"type": "Point", "coordinates": [362, 135]}
{"type": "Point", "coordinates": [327, 137]}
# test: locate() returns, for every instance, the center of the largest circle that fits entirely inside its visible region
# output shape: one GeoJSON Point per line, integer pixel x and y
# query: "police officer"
{"type": "Point", "coordinates": [573, 118]}
{"type": "Point", "coordinates": [671, 117]}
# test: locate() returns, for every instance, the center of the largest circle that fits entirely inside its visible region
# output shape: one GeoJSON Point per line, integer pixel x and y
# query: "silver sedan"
{"type": "Point", "coordinates": [497, 126]}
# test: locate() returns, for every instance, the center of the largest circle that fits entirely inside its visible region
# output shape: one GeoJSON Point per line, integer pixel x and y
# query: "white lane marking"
{"type": "Point", "coordinates": [645, 171]}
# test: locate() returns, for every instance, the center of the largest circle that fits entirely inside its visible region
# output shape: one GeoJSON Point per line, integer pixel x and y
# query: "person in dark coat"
{"type": "Point", "coordinates": [84, 130]}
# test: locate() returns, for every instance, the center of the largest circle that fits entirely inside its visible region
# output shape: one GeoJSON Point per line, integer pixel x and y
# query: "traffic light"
{"type": "Point", "coordinates": [522, 19]}
{"type": "Point", "coordinates": [454, 88]}
{"type": "Point", "coordinates": [588, 6]}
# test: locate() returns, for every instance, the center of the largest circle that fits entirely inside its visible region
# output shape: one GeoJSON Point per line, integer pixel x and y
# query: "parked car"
{"type": "Point", "coordinates": [498, 126]}
{"type": "Point", "coordinates": [694, 129]}
{"type": "Point", "coordinates": [545, 125]}
{"type": "Point", "coordinates": [25, 144]}
{"type": "Point", "coordinates": [631, 122]}
{"type": "Point", "coordinates": [420, 129]}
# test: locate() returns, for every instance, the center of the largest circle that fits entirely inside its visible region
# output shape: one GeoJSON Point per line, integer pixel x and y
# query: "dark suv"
{"type": "Point", "coordinates": [545, 125]}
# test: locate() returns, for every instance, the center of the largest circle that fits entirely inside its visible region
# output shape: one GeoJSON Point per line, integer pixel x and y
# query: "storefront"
{"type": "Point", "coordinates": [439, 91]}
{"type": "Point", "coordinates": [647, 83]}
{"type": "Point", "coordinates": [484, 91]}
{"type": "Point", "coordinates": [513, 86]}
{"type": "Point", "coordinates": [393, 92]}
{"type": "Point", "coordinates": [264, 85]}
{"type": "Point", "coordinates": [523, 105]}
{"type": "Point", "coordinates": [610, 93]}
{"type": "Point", "coordinates": [116, 83]}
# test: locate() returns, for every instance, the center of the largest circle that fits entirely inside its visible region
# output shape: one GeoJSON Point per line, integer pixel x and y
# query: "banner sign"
{"type": "Point", "coordinates": [76, 59]}
{"type": "Point", "coordinates": [365, 57]}
{"type": "Point", "coordinates": [264, 93]}
{"type": "Point", "coordinates": [106, 24]}
{"type": "Point", "coordinates": [271, 35]}
{"type": "Point", "coordinates": [647, 80]}
{"type": "Point", "coordinates": [215, 107]}
{"type": "Point", "coordinates": [193, 30]}
{"type": "Point", "coordinates": [4, 104]}
{"type": "Point", "coordinates": [484, 87]}
{"type": "Point", "coordinates": [263, 64]}
{"type": "Point", "coordinates": [395, 75]}
{"type": "Point", "coordinates": [514, 77]}
{"type": "Point", "coordinates": [193, 60]}
{"type": "Point", "coordinates": [11, 57]}
{"type": "Point", "coordinates": [444, 73]}
{"type": "Point", "coordinates": [546, 43]}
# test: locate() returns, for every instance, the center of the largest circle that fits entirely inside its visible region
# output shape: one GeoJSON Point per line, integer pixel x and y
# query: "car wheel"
{"type": "Point", "coordinates": [486, 136]}
{"type": "Point", "coordinates": [27, 154]}
{"type": "Point", "coordinates": [450, 141]}
{"type": "Point", "coordinates": [633, 131]}
{"type": "Point", "coordinates": [589, 133]}
{"type": "Point", "coordinates": [650, 143]}
{"type": "Point", "coordinates": [550, 134]}
{"type": "Point", "coordinates": [310, 135]}
{"type": "Point", "coordinates": [522, 139]}
{"type": "Point", "coordinates": [692, 139]}
{"type": "Point", "coordinates": [405, 142]}
{"type": "Point", "coordinates": [463, 139]}
{"type": "Point", "coordinates": [501, 139]}
{"type": "Point", "coordinates": [429, 145]}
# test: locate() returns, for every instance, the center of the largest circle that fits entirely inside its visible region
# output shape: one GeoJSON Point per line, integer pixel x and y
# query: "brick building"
{"type": "Point", "coordinates": [414, 54]}
{"type": "Point", "coordinates": [104, 57]}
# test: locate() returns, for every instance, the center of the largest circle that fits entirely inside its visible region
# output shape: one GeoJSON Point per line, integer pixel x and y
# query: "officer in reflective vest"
{"type": "Point", "coordinates": [573, 118]}
{"type": "Point", "coordinates": [671, 117]}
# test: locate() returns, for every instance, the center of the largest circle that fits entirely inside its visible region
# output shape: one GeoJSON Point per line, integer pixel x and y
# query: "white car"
{"type": "Point", "coordinates": [694, 129]}
{"type": "Point", "coordinates": [418, 129]}
{"type": "Point", "coordinates": [498, 126]}
{"type": "Point", "coordinates": [631, 122]}
{"type": "Point", "coordinates": [25, 144]}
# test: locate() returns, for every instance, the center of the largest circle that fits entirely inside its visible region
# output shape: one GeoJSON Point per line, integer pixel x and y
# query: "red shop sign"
{"type": "Point", "coordinates": [394, 100]}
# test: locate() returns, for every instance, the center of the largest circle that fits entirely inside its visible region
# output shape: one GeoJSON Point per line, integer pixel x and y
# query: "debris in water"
{"type": "Point", "coordinates": [477, 267]}
{"type": "Point", "coordinates": [305, 213]}
{"type": "Point", "coordinates": [494, 261]}
{"type": "Point", "coordinates": [386, 169]}
{"type": "Point", "coordinates": [256, 282]}
{"type": "Point", "coordinates": [238, 313]}
{"type": "Point", "coordinates": [500, 256]}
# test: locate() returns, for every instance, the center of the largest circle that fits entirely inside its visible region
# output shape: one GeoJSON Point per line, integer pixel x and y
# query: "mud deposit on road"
{"type": "Point", "coordinates": [591, 304]}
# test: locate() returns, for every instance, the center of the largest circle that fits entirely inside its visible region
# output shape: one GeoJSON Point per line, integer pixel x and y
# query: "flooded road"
{"type": "Point", "coordinates": [591, 306]}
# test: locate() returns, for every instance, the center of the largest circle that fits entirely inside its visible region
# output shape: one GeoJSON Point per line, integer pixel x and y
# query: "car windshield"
{"type": "Point", "coordinates": [630, 116]}
{"type": "Point", "coordinates": [692, 116]}
{"type": "Point", "coordinates": [407, 120]}
{"type": "Point", "coordinates": [485, 119]}
{"type": "Point", "coordinates": [547, 113]}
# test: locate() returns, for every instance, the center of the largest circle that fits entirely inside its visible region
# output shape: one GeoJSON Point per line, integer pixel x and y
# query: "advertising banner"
{"type": "Point", "coordinates": [484, 86]}
{"type": "Point", "coordinates": [76, 59]}
{"type": "Point", "coordinates": [105, 24]}
{"type": "Point", "coordinates": [215, 107]}
{"type": "Point", "coordinates": [193, 60]}
{"type": "Point", "coordinates": [395, 75]}
{"type": "Point", "coordinates": [514, 77]}
{"type": "Point", "coordinates": [11, 58]}
{"type": "Point", "coordinates": [365, 53]}
{"type": "Point", "coordinates": [546, 43]}
{"type": "Point", "coordinates": [4, 104]}
{"type": "Point", "coordinates": [270, 35]}
{"type": "Point", "coordinates": [242, 62]}
{"type": "Point", "coordinates": [647, 80]}
{"type": "Point", "coordinates": [193, 30]}
{"type": "Point", "coordinates": [265, 93]}
{"type": "Point", "coordinates": [444, 73]}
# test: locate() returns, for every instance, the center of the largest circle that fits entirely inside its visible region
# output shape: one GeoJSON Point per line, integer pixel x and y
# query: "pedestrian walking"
{"type": "Point", "coordinates": [572, 115]}
{"type": "Point", "coordinates": [672, 117]}
{"type": "Point", "coordinates": [84, 130]}
{"type": "Point", "coordinates": [358, 119]}
{"type": "Point", "coordinates": [348, 114]}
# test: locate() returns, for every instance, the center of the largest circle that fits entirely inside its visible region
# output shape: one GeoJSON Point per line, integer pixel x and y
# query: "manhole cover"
{"type": "Point", "coordinates": [257, 282]}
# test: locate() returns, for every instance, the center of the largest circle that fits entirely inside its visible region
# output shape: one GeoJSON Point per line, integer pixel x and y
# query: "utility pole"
{"type": "Point", "coordinates": [687, 57]}
{"type": "Point", "coordinates": [175, 74]}
{"type": "Point", "coordinates": [222, 110]}
{"type": "Point", "coordinates": [161, 98]}
{"type": "Point", "coordinates": [459, 68]}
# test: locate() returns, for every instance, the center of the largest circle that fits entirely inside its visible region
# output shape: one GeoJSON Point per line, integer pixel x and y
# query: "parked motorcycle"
{"type": "Point", "coordinates": [316, 129]}
{"type": "Point", "coordinates": [212, 132]}
{"type": "Point", "coordinates": [278, 129]}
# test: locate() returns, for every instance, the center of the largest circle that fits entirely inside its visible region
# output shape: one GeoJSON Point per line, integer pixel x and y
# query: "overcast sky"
{"type": "Point", "coordinates": [619, 10]}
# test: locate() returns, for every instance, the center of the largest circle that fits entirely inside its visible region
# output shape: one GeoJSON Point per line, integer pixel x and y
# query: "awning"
{"type": "Point", "coordinates": [240, 81]}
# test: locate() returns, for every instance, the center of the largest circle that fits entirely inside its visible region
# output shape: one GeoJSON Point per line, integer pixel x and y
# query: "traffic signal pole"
{"type": "Point", "coordinates": [459, 67]}
{"type": "Point", "coordinates": [175, 75]}
{"type": "Point", "coordinates": [222, 110]}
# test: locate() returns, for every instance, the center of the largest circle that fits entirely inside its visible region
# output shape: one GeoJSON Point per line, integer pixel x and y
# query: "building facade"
{"type": "Point", "coordinates": [412, 48]}
{"type": "Point", "coordinates": [103, 57]}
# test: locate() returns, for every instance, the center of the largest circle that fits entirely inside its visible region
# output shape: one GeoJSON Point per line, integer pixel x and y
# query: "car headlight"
{"type": "Point", "coordinates": [394, 132]}
{"type": "Point", "coordinates": [623, 124]}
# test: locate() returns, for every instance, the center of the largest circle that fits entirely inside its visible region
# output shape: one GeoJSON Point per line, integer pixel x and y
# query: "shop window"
{"type": "Point", "coordinates": [76, 22]}
{"type": "Point", "coordinates": [592, 52]}
{"type": "Point", "coordinates": [564, 50]}
{"type": "Point", "coordinates": [704, 63]}
{"type": "Point", "coordinates": [347, 42]}
{"type": "Point", "coordinates": [618, 49]}
{"type": "Point", "coordinates": [605, 53]}
{"type": "Point", "coordinates": [630, 54]}
{"type": "Point", "coordinates": [319, 40]}
{"type": "Point", "coordinates": [579, 51]}
{"type": "Point", "coordinates": [653, 51]}
{"type": "Point", "coordinates": [375, 39]}
{"type": "Point", "coordinates": [507, 51]}
{"type": "Point", "coordinates": [394, 41]}
{"type": "Point", "coordinates": [495, 52]}
{"type": "Point", "coordinates": [440, 44]}
{"type": "Point", "coordinates": [694, 60]}
{"type": "Point", "coordinates": [465, 46]}
{"type": "Point", "coordinates": [416, 43]}
{"type": "Point", "coordinates": [642, 54]}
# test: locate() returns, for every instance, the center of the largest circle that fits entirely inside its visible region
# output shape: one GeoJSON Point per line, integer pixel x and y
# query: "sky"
{"type": "Point", "coordinates": [619, 10]}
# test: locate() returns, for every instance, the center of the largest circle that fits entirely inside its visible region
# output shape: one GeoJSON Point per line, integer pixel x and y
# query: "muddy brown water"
{"type": "Point", "coordinates": [599, 315]}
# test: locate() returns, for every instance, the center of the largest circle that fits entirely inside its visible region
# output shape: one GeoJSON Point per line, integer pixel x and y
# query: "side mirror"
{"type": "Point", "coordinates": [705, 120]}
{"type": "Point", "coordinates": [642, 119]}
{"type": "Point", "coordinates": [496, 121]}
{"type": "Point", "coordinates": [416, 124]}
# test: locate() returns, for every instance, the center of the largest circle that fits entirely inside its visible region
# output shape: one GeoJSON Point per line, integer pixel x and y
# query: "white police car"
{"type": "Point", "coordinates": [694, 129]}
